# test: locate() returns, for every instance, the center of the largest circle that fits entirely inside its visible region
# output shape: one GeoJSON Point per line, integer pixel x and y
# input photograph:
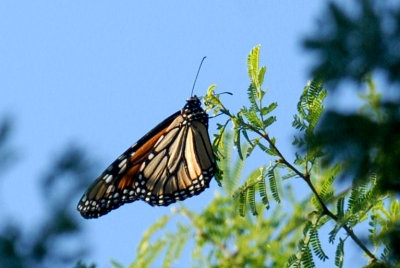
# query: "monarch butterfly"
{"type": "Point", "coordinates": [172, 162]}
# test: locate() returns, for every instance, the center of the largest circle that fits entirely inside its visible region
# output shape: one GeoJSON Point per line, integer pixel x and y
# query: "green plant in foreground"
{"type": "Point", "coordinates": [235, 229]}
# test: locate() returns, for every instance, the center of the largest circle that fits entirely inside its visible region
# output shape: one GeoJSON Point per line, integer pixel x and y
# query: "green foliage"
{"type": "Point", "coordinates": [272, 178]}
{"type": "Point", "coordinates": [310, 241]}
{"type": "Point", "coordinates": [339, 256]}
{"type": "Point", "coordinates": [316, 244]}
{"type": "Point", "coordinates": [307, 260]}
{"type": "Point", "coordinates": [310, 108]}
{"type": "Point", "coordinates": [364, 154]}
{"type": "Point", "coordinates": [245, 196]}
{"type": "Point", "coordinates": [235, 230]}
{"type": "Point", "coordinates": [355, 45]}
{"type": "Point", "coordinates": [352, 43]}
{"type": "Point", "coordinates": [222, 237]}
{"type": "Point", "coordinates": [363, 198]}
{"type": "Point", "coordinates": [340, 208]}
{"type": "Point", "coordinates": [255, 118]}
{"type": "Point", "coordinates": [384, 227]}
{"type": "Point", "coordinates": [148, 251]}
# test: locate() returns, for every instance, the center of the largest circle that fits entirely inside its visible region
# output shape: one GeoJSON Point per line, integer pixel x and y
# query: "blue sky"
{"type": "Point", "coordinates": [103, 73]}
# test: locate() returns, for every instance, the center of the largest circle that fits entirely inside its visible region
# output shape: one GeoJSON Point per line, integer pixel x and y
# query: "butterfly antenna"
{"type": "Point", "coordinates": [198, 71]}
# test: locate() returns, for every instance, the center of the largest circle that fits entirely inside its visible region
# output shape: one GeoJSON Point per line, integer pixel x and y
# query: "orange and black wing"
{"type": "Point", "coordinates": [172, 162]}
{"type": "Point", "coordinates": [181, 165]}
{"type": "Point", "coordinates": [116, 185]}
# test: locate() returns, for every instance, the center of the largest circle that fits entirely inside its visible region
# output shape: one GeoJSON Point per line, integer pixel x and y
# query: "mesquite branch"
{"type": "Point", "coordinates": [306, 178]}
{"type": "Point", "coordinates": [326, 211]}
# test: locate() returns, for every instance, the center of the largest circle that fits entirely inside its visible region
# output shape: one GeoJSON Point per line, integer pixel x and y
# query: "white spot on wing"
{"type": "Point", "coordinates": [110, 189]}
{"type": "Point", "coordinates": [142, 166]}
{"type": "Point", "coordinates": [159, 140]}
{"type": "Point", "coordinates": [122, 169]}
{"type": "Point", "coordinates": [123, 163]}
{"type": "Point", "coordinates": [108, 178]}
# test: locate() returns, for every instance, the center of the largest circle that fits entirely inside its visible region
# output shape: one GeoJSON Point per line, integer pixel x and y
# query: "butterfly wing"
{"type": "Point", "coordinates": [116, 185]}
{"type": "Point", "coordinates": [172, 162]}
{"type": "Point", "coordinates": [180, 166]}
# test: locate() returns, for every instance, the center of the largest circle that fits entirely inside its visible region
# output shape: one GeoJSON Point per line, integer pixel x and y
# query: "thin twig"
{"type": "Point", "coordinates": [325, 209]}
{"type": "Point", "coordinates": [306, 178]}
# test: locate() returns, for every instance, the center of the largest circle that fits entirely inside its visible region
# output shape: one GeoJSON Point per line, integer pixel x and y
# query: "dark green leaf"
{"type": "Point", "coordinates": [339, 256]}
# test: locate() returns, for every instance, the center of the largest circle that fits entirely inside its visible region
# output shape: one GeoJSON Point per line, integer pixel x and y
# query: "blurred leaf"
{"type": "Point", "coordinates": [345, 140]}
{"type": "Point", "coordinates": [7, 154]}
{"type": "Point", "coordinates": [42, 245]}
{"type": "Point", "coordinates": [353, 43]}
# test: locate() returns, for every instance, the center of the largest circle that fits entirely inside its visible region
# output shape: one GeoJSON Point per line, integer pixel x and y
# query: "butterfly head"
{"type": "Point", "coordinates": [193, 111]}
{"type": "Point", "coordinates": [194, 101]}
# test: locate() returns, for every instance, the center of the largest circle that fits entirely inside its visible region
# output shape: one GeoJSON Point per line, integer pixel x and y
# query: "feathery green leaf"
{"type": "Point", "coordinates": [273, 185]}
{"type": "Point", "coordinates": [263, 192]}
{"type": "Point", "coordinates": [316, 244]}
{"type": "Point", "coordinates": [251, 198]}
{"type": "Point", "coordinates": [339, 256]}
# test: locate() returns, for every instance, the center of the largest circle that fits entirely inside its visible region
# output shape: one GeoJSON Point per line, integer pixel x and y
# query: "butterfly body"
{"type": "Point", "coordinates": [171, 162]}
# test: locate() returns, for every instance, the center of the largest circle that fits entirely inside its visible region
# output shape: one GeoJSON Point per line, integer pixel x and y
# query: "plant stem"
{"type": "Point", "coordinates": [306, 178]}
{"type": "Point", "coordinates": [325, 209]}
